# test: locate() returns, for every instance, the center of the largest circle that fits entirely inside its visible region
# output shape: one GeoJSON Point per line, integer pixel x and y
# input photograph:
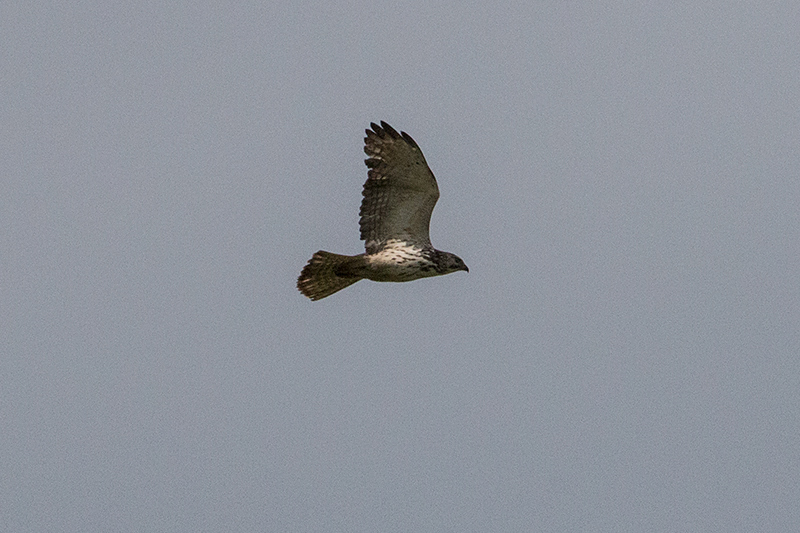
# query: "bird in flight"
{"type": "Point", "coordinates": [399, 196]}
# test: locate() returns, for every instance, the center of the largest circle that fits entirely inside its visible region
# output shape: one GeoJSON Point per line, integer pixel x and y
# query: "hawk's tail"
{"type": "Point", "coordinates": [319, 277]}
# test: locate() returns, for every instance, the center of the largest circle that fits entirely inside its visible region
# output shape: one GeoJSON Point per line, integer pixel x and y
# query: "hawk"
{"type": "Point", "coordinates": [399, 196]}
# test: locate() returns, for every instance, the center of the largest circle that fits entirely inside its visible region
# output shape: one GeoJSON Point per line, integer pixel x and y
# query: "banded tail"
{"type": "Point", "coordinates": [319, 278]}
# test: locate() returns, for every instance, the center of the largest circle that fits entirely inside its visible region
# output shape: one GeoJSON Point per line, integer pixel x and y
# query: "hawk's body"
{"type": "Point", "coordinates": [399, 197]}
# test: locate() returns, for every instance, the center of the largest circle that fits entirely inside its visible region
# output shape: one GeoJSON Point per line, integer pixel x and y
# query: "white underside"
{"type": "Point", "coordinates": [399, 261]}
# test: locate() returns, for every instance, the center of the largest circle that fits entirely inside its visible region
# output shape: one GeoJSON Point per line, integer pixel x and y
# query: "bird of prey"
{"type": "Point", "coordinates": [399, 196]}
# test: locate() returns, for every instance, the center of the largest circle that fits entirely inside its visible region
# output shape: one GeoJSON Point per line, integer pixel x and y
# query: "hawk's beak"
{"type": "Point", "coordinates": [466, 268]}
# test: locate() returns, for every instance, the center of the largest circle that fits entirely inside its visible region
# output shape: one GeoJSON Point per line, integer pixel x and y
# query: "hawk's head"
{"type": "Point", "coordinates": [447, 263]}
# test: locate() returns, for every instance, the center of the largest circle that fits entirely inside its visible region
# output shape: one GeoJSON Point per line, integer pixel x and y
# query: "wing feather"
{"type": "Point", "coordinates": [400, 191]}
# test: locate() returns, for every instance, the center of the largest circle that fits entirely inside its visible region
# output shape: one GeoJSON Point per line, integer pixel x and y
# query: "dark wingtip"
{"type": "Point", "coordinates": [408, 139]}
{"type": "Point", "coordinates": [389, 130]}
{"type": "Point", "coordinates": [385, 130]}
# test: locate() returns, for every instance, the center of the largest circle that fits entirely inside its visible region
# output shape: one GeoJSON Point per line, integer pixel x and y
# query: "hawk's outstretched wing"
{"type": "Point", "coordinates": [400, 191]}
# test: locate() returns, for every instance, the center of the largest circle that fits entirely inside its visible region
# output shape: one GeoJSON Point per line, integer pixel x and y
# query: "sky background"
{"type": "Point", "coordinates": [622, 178]}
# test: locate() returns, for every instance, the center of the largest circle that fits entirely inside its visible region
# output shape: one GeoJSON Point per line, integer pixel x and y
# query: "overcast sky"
{"type": "Point", "coordinates": [622, 178]}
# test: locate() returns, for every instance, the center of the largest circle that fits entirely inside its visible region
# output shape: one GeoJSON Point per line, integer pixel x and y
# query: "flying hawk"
{"type": "Point", "coordinates": [399, 196]}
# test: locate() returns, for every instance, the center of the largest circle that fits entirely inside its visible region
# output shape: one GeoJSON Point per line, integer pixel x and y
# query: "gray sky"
{"type": "Point", "coordinates": [622, 181]}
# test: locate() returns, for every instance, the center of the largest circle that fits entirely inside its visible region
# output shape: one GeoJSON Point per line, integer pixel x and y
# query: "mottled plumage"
{"type": "Point", "coordinates": [399, 196]}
